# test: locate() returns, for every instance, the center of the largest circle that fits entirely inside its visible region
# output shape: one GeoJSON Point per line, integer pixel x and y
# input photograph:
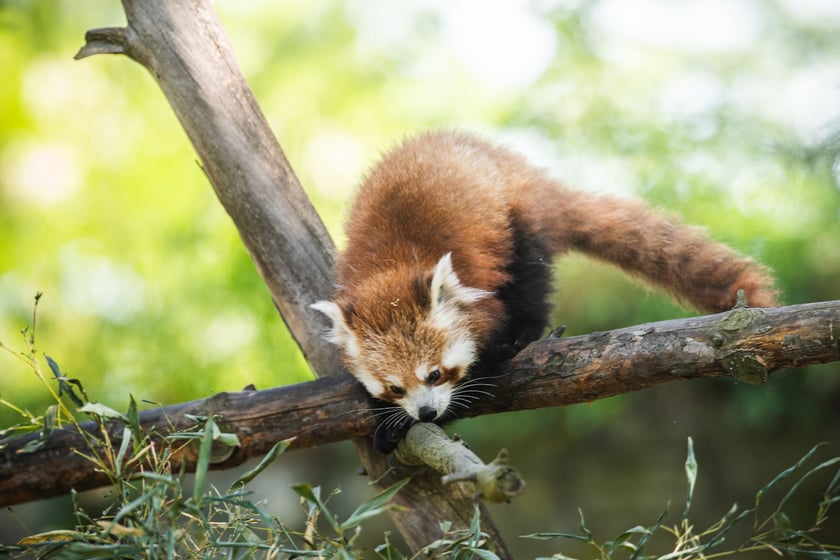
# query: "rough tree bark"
{"type": "Point", "coordinates": [185, 48]}
{"type": "Point", "coordinates": [747, 344]}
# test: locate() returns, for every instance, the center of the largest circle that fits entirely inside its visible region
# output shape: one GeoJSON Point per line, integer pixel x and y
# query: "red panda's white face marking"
{"type": "Point", "coordinates": [416, 355]}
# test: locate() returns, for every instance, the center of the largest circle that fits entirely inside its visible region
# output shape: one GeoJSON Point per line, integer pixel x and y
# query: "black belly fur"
{"type": "Point", "coordinates": [526, 302]}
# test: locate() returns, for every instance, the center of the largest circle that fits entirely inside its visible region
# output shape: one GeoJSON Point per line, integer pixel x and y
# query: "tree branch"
{"type": "Point", "coordinates": [427, 444]}
{"type": "Point", "coordinates": [747, 344]}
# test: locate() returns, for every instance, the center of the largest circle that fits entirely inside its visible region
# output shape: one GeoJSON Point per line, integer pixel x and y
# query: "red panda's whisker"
{"type": "Point", "coordinates": [374, 412]}
{"type": "Point", "coordinates": [469, 391]}
{"type": "Point", "coordinates": [460, 398]}
{"type": "Point", "coordinates": [475, 383]}
{"type": "Point", "coordinates": [476, 395]}
{"type": "Point", "coordinates": [392, 422]}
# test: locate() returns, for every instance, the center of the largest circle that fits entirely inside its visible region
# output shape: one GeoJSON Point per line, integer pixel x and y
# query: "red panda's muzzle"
{"type": "Point", "coordinates": [426, 414]}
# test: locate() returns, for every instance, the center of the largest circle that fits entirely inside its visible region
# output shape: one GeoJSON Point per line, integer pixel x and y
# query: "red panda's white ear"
{"type": "Point", "coordinates": [340, 333]}
{"type": "Point", "coordinates": [446, 288]}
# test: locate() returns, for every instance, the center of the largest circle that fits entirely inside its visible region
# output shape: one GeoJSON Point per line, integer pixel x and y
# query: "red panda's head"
{"type": "Point", "coordinates": [407, 336]}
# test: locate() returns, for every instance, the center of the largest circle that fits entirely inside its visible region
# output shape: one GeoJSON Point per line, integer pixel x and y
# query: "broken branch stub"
{"type": "Point", "coordinates": [428, 444]}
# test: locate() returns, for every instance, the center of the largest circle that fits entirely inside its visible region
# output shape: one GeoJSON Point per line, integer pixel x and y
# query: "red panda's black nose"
{"type": "Point", "coordinates": [426, 413]}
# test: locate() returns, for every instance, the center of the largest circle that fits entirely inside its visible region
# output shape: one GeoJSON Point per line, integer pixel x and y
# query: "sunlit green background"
{"type": "Point", "coordinates": [724, 112]}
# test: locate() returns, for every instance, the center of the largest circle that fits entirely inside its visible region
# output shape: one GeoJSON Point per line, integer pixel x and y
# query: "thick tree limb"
{"type": "Point", "coordinates": [748, 344]}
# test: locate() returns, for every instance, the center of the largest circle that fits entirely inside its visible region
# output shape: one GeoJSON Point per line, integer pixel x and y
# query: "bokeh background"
{"type": "Point", "coordinates": [726, 112]}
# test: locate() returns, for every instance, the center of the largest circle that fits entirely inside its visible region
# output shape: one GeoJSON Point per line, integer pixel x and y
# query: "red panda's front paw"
{"type": "Point", "coordinates": [389, 432]}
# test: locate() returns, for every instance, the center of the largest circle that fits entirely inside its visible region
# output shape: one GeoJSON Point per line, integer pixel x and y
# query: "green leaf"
{"type": "Point", "coordinates": [50, 423]}
{"type": "Point", "coordinates": [550, 536]}
{"type": "Point", "coordinates": [64, 382]}
{"type": "Point", "coordinates": [59, 535]}
{"type": "Point", "coordinates": [781, 522]}
{"type": "Point", "coordinates": [374, 506]}
{"type": "Point", "coordinates": [164, 478]}
{"type": "Point", "coordinates": [795, 487]}
{"type": "Point", "coordinates": [583, 528]}
{"type": "Point", "coordinates": [126, 441]}
{"type": "Point", "coordinates": [345, 554]}
{"type": "Point", "coordinates": [313, 496]}
{"type": "Point", "coordinates": [227, 438]}
{"type": "Point", "coordinates": [623, 540]}
{"type": "Point", "coordinates": [21, 429]}
{"type": "Point", "coordinates": [203, 462]}
{"type": "Point", "coordinates": [133, 417]}
{"type": "Point", "coordinates": [691, 475]}
{"type": "Point", "coordinates": [475, 523]}
{"type": "Point", "coordinates": [269, 458]}
{"type": "Point", "coordinates": [131, 506]}
{"type": "Point", "coordinates": [648, 534]}
{"type": "Point", "coordinates": [834, 485]}
{"type": "Point", "coordinates": [50, 420]}
{"type": "Point", "coordinates": [388, 551]}
{"type": "Point", "coordinates": [784, 474]}
{"type": "Point", "coordinates": [727, 523]}
{"type": "Point", "coordinates": [682, 553]}
{"type": "Point", "coordinates": [98, 409]}
{"type": "Point", "coordinates": [481, 553]}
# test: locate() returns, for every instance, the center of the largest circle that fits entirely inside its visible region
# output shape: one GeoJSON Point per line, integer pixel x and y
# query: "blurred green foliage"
{"type": "Point", "coordinates": [724, 113]}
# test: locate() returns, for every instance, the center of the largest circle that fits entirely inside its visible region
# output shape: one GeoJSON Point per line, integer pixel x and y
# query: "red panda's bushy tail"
{"type": "Point", "coordinates": [678, 258]}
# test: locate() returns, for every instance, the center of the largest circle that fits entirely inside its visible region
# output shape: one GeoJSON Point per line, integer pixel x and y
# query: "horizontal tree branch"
{"type": "Point", "coordinates": [747, 344]}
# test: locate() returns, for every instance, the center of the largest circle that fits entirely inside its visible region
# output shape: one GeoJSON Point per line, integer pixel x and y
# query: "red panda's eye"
{"type": "Point", "coordinates": [397, 390]}
{"type": "Point", "coordinates": [433, 377]}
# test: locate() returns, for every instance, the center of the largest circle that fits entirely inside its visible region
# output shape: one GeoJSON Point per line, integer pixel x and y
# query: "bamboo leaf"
{"type": "Point", "coordinates": [126, 441]}
{"type": "Point", "coordinates": [63, 385]}
{"type": "Point", "coordinates": [133, 417]}
{"type": "Point", "coordinates": [795, 487]}
{"type": "Point", "coordinates": [583, 528]}
{"type": "Point", "coordinates": [313, 496]}
{"type": "Point", "coordinates": [647, 536]}
{"type": "Point", "coordinates": [269, 458]}
{"type": "Point", "coordinates": [481, 553]}
{"type": "Point", "coordinates": [550, 536]}
{"type": "Point", "coordinates": [52, 536]}
{"type": "Point", "coordinates": [131, 506]}
{"type": "Point", "coordinates": [374, 506]}
{"type": "Point", "coordinates": [50, 423]}
{"type": "Point", "coordinates": [203, 462]}
{"type": "Point", "coordinates": [784, 474]}
{"type": "Point", "coordinates": [103, 411]}
{"type": "Point", "coordinates": [691, 475]}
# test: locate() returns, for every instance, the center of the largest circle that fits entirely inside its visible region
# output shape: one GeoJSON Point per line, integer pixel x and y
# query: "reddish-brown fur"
{"type": "Point", "coordinates": [501, 219]}
{"type": "Point", "coordinates": [447, 192]}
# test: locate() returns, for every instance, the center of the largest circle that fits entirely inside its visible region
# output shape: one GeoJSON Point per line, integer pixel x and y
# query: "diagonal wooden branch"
{"type": "Point", "coordinates": [186, 50]}
{"type": "Point", "coordinates": [748, 344]}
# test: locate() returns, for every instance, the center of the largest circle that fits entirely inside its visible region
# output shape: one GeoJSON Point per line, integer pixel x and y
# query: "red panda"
{"type": "Point", "coordinates": [447, 270]}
